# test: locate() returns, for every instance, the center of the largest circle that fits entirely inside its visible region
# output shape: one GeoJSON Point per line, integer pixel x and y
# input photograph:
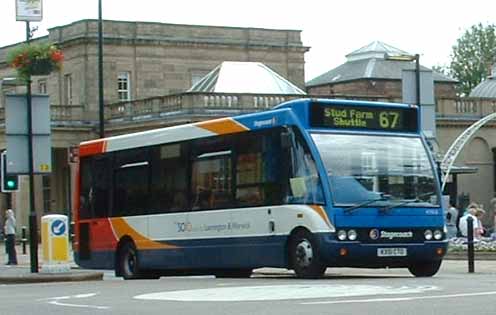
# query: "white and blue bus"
{"type": "Point", "coordinates": [310, 184]}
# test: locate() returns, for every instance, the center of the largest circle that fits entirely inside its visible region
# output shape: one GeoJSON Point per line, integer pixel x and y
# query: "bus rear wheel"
{"type": "Point", "coordinates": [304, 255]}
{"type": "Point", "coordinates": [128, 262]}
{"type": "Point", "coordinates": [425, 269]}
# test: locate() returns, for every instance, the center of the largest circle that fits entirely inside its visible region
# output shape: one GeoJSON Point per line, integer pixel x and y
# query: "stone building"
{"type": "Point", "coordinates": [148, 68]}
{"type": "Point", "coordinates": [370, 74]}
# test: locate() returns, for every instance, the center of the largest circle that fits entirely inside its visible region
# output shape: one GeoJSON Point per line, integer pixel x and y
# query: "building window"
{"type": "Point", "coordinates": [42, 86]}
{"type": "Point", "coordinates": [123, 86]}
{"type": "Point", "coordinates": [68, 89]}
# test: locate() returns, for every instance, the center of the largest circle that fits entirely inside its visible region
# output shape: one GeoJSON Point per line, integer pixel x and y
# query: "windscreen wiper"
{"type": "Point", "coordinates": [407, 201]}
{"type": "Point", "coordinates": [383, 197]}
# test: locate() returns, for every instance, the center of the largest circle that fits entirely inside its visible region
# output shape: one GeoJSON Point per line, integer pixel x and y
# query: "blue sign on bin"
{"type": "Point", "coordinates": [58, 227]}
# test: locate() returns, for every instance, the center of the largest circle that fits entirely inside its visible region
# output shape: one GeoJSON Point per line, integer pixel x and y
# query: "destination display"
{"type": "Point", "coordinates": [363, 117]}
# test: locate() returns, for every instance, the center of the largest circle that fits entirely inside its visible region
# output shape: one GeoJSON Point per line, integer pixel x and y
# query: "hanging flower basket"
{"type": "Point", "coordinates": [35, 59]}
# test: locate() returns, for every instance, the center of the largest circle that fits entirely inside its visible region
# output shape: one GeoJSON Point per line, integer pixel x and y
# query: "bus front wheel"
{"type": "Point", "coordinates": [425, 269]}
{"type": "Point", "coordinates": [304, 255]}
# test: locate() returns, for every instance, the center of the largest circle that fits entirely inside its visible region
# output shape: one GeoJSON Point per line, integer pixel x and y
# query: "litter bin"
{"type": "Point", "coordinates": [55, 243]}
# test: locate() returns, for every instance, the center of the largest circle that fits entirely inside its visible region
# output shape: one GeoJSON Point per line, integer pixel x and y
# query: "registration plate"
{"type": "Point", "coordinates": [391, 252]}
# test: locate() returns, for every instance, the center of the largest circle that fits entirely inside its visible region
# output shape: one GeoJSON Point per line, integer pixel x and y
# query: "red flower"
{"type": "Point", "coordinates": [57, 56]}
{"type": "Point", "coordinates": [21, 60]}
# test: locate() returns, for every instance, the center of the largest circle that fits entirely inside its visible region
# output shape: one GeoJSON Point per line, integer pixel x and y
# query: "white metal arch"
{"type": "Point", "coordinates": [457, 146]}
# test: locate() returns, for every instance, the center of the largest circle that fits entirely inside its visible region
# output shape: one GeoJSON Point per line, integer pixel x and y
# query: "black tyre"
{"type": "Point", "coordinates": [425, 269]}
{"type": "Point", "coordinates": [304, 255]}
{"type": "Point", "coordinates": [128, 262]}
{"type": "Point", "coordinates": [233, 273]}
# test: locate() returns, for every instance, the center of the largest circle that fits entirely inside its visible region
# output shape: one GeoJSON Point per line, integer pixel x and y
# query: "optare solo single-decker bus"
{"type": "Point", "coordinates": [310, 184]}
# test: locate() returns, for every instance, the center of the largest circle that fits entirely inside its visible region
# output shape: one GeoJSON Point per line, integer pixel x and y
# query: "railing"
{"type": "Point", "coordinates": [464, 108]}
{"type": "Point", "coordinates": [210, 104]}
{"type": "Point", "coordinates": [206, 105]}
{"type": "Point", "coordinates": [68, 113]}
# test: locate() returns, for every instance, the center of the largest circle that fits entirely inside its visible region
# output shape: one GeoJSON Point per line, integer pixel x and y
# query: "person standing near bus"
{"type": "Point", "coordinates": [9, 230]}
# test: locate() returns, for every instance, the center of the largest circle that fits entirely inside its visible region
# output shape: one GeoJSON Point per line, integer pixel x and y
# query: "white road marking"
{"type": "Point", "coordinates": [79, 305]}
{"type": "Point", "coordinates": [280, 292]}
{"type": "Point", "coordinates": [56, 301]}
{"type": "Point", "coordinates": [411, 298]}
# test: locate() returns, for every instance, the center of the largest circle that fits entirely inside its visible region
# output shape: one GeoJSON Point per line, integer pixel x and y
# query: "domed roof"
{"type": "Point", "coordinates": [374, 61]}
{"type": "Point", "coordinates": [244, 77]}
{"type": "Point", "coordinates": [375, 49]}
{"type": "Point", "coordinates": [487, 88]}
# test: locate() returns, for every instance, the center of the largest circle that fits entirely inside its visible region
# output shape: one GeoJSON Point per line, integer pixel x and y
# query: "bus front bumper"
{"type": "Point", "coordinates": [393, 255]}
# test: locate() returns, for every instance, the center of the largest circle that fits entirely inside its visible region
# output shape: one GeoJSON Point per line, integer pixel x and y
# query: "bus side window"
{"type": "Point", "coordinates": [211, 173]}
{"type": "Point", "coordinates": [131, 182]}
{"type": "Point", "coordinates": [86, 193]}
{"type": "Point", "coordinates": [304, 181]}
{"type": "Point", "coordinates": [100, 191]}
{"type": "Point", "coordinates": [258, 168]}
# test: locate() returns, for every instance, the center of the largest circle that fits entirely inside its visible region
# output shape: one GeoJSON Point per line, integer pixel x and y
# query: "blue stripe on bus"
{"type": "Point", "coordinates": [267, 251]}
{"type": "Point", "coordinates": [246, 252]}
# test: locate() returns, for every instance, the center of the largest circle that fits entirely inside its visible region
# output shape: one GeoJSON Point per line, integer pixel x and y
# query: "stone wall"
{"type": "Point", "coordinates": [161, 58]}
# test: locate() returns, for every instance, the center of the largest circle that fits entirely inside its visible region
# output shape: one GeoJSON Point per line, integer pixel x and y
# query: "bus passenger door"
{"type": "Point", "coordinates": [101, 235]}
{"type": "Point", "coordinates": [95, 234]}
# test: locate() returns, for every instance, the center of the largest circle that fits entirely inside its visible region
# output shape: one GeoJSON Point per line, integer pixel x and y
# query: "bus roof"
{"type": "Point", "coordinates": [287, 113]}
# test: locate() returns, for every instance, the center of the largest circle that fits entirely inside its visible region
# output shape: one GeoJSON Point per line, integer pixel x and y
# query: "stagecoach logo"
{"type": "Point", "coordinates": [375, 234]}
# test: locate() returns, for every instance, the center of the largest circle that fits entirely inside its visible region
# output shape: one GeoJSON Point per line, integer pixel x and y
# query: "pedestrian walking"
{"type": "Point", "coordinates": [9, 231]}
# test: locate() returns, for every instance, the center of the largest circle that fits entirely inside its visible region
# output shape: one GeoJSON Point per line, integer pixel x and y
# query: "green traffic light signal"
{"type": "Point", "coordinates": [9, 182]}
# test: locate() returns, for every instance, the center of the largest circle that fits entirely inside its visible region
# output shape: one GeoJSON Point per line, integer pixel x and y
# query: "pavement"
{"type": "Point", "coordinates": [21, 273]}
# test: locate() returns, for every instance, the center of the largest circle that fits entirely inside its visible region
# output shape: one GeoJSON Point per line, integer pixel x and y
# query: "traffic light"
{"type": "Point", "coordinates": [10, 183]}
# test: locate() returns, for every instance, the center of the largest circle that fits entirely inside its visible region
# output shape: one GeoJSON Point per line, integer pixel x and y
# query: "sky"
{"type": "Point", "coordinates": [332, 29]}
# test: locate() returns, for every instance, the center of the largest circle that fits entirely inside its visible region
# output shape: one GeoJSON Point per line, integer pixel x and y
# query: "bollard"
{"type": "Point", "coordinates": [470, 242]}
{"type": "Point", "coordinates": [24, 240]}
{"type": "Point", "coordinates": [55, 243]}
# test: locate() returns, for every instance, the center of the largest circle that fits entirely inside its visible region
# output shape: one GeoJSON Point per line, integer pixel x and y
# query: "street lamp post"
{"type": "Point", "coordinates": [101, 114]}
{"type": "Point", "coordinates": [417, 78]}
{"type": "Point", "coordinates": [33, 228]}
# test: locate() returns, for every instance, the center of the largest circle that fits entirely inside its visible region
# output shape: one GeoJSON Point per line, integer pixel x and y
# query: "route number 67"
{"type": "Point", "coordinates": [388, 120]}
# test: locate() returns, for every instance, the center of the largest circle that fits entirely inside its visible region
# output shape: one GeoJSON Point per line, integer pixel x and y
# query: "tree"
{"type": "Point", "coordinates": [472, 56]}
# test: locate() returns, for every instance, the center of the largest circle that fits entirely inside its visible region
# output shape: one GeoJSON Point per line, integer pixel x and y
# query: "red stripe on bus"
{"type": "Point", "coordinates": [93, 147]}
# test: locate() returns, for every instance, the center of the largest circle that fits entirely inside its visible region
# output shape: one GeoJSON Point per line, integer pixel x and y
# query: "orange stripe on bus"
{"type": "Point", "coordinates": [222, 126]}
{"type": "Point", "coordinates": [122, 228]}
{"type": "Point", "coordinates": [321, 212]}
{"type": "Point", "coordinates": [92, 148]}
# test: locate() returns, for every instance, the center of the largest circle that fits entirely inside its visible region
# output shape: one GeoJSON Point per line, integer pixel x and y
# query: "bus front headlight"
{"type": "Point", "coordinates": [438, 234]}
{"type": "Point", "coordinates": [342, 235]}
{"type": "Point", "coordinates": [428, 235]}
{"type": "Point", "coordinates": [352, 235]}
